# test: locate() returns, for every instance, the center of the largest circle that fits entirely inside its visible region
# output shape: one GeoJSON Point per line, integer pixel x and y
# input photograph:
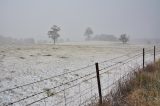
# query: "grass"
{"type": "Point", "coordinates": [49, 92]}
{"type": "Point", "coordinates": [141, 88]}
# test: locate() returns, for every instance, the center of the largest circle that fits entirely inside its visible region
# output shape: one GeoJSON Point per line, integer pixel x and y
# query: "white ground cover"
{"type": "Point", "coordinates": [23, 64]}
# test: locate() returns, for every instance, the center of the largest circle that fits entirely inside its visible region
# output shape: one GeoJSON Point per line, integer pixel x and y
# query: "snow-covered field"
{"type": "Point", "coordinates": [24, 64]}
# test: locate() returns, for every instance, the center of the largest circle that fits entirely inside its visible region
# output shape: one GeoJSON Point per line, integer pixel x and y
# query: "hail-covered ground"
{"type": "Point", "coordinates": [47, 75]}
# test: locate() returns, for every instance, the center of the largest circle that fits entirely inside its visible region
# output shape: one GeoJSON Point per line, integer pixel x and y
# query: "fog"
{"type": "Point", "coordinates": [79, 52]}
{"type": "Point", "coordinates": [34, 18]}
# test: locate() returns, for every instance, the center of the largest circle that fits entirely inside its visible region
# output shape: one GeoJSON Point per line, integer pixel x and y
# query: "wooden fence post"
{"type": "Point", "coordinates": [65, 100]}
{"type": "Point", "coordinates": [143, 57]}
{"type": "Point", "coordinates": [99, 83]}
{"type": "Point", "coordinates": [154, 54]}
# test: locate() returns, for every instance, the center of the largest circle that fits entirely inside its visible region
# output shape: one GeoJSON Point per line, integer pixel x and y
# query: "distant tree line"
{"type": "Point", "coordinates": [104, 37]}
{"type": "Point", "coordinates": [54, 35]}
{"type": "Point", "coordinates": [10, 40]}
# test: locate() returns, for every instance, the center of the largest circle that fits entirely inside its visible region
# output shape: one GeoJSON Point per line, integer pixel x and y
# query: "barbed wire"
{"type": "Point", "coordinates": [81, 77]}
{"type": "Point", "coordinates": [96, 86]}
{"type": "Point", "coordinates": [72, 80]}
{"type": "Point", "coordinates": [58, 92]}
{"type": "Point", "coordinates": [120, 62]}
{"type": "Point", "coordinates": [84, 93]}
{"type": "Point", "coordinates": [45, 79]}
{"type": "Point", "coordinates": [121, 56]}
{"type": "Point", "coordinates": [89, 99]}
{"type": "Point", "coordinates": [20, 86]}
{"type": "Point", "coordinates": [117, 81]}
{"type": "Point", "coordinates": [80, 95]}
{"type": "Point", "coordinates": [51, 88]}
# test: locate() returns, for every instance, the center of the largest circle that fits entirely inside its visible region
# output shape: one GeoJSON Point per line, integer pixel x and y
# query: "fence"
{"type": "Point", "coordinates": [84, 87]}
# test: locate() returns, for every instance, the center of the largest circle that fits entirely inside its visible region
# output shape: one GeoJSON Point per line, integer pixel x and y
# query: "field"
{"type": "Point", "coordinates": [24, 64]}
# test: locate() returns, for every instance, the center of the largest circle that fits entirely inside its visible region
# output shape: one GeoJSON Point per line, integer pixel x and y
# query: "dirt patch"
{"type": "Point", "coordinates": [18, 48]}
{"type": "Point", "coordinates": [47, 55]}
{"type": "Point", "coordinates": [21, 57]}
{"type": "Point", "coordinates": [63, 57]}
{"type": "Point", "coordinates": [54, 48]}
{"type": "Point", "coordinates": [31, 55]}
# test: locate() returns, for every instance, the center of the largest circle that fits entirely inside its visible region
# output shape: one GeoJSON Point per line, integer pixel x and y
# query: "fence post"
{"type": "Point", "coordinates": [80, 94]}
{"type": "Point", "coordinates": [99, 83]}
{"type": "Point", "coordinates": [154, 54]}
{"type": "Point", "coordinates": [64, 93]}
{"type": "Point", "coordinates": [143, 57]}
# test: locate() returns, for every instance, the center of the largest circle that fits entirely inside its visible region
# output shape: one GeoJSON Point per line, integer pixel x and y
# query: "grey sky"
{"type": "Point", "coordinates": [33, 18]}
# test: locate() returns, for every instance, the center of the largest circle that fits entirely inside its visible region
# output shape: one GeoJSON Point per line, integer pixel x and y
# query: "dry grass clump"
{"type": "Point", "coordinates": [141, 88]}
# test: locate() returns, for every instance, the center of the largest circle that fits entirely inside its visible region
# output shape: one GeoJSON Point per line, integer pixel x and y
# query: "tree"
{"type": "Point", "coordinates": [124, 38]}
{"type": "Point", "coordinates": [53, 34]}
{"type": "Point", "coordinates": [88, 33]}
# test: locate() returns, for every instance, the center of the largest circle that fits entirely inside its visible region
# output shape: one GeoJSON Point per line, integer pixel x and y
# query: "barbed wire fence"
{"type": "Point", "coordinates": [82, 89]}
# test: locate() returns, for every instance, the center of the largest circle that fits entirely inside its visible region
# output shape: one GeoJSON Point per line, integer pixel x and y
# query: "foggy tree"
{"type": "Point", "coordinates": [88, 33]}
{"type": "Point", "coordinates": [124, 38]}
{"type": "Point", "coordinates": [53, 33]}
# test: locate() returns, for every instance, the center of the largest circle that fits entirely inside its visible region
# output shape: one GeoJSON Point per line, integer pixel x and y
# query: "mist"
{"type": "Point", "coordinates": [34, 18]}
{"type": "Point", "coordinates": [79, 52]}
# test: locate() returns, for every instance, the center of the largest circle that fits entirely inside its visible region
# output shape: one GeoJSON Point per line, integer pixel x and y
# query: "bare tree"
{"type": "Point", "coordinates": [53, 34]}
{"type": "Point", "coordinates": [124, 38]}
{"type": "Point", "coordinates": [88, 33]}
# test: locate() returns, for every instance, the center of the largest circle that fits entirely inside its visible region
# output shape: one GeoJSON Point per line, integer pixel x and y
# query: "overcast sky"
{"type": "Point", "coordinates": [33, 18]}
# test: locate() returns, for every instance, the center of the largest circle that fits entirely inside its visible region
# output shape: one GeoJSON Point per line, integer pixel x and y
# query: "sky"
{"type": "Point", "coordinates": [34, 18]}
